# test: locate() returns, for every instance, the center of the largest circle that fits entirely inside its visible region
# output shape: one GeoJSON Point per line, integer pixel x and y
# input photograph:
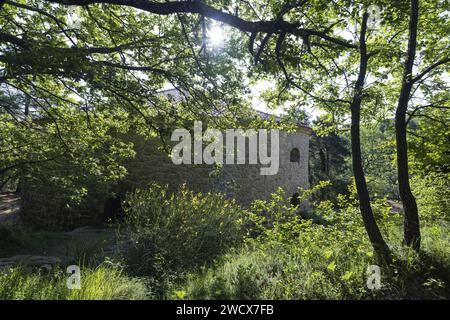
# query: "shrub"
{"type": "Point", "coordinates": [179, 231]}
{"type": "Point", "coordinates": [433, 195]}
{"type": "Point", "coordinates": [281, 271]}
{"type": "Point", "coordinates": [294, 258]}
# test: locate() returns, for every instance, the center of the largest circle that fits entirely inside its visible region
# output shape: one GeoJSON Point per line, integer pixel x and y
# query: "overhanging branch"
{"type": "Point", "coordinates": [431, 68]}
{"type": "Point", "coordinates": [277, 26]}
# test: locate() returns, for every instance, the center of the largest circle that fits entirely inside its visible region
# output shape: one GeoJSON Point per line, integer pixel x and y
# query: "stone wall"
{"type": "Point", "coordinates": [242, 182]}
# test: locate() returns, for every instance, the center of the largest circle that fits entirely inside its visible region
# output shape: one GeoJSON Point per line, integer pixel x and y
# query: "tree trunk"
{"type": "Point", "coordinates": [411, 216]}
{"type": "Point", "coordinates": [370, 224]}
{"type": "Point", "coordinates": [26, 111]}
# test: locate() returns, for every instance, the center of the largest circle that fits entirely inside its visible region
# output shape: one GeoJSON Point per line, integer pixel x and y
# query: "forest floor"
{"type": "Point", "coordinates": [235, 275]}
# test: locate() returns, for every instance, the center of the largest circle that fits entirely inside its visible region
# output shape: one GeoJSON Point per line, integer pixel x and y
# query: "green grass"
{"type": "Point", "coordinates": [200, 247]}
{"type": "Point", "coordinates": [324, 264]}
{"type": "Point", "coordinates": [320, 263]}
{"type": "Point", "coordinates": [99, 280]}
{"type": "Point", "coordinates": [101, 283]}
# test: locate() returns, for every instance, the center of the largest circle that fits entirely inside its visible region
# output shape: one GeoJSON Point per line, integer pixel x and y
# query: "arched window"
{"type": "Point", "coordinates": [295, 155]}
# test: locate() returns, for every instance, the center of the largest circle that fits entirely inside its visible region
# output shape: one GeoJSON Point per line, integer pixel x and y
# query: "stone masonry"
{"type": "Point", "coordinates": [242, 182]}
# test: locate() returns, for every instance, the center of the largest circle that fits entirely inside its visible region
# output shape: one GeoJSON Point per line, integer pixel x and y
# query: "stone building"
{"type": "Point", "coordinates": [43, 207]}
{"type": "Point", "coordinates": [242, 182]}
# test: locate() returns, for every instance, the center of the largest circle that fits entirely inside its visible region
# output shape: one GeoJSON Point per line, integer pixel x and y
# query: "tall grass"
{"type": "Point", "coordinates": [175, 233]}
{"type": "Point", "coordinates": [193, 246]}
{"type": "Point", "coordinates": [309, 270]}
{"type": "Point", "coordinates": [184, 228]}
{"type": "Point", "coordinates": [101, 283]}
{"type": "Point", "coordinates": [294, 258]}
